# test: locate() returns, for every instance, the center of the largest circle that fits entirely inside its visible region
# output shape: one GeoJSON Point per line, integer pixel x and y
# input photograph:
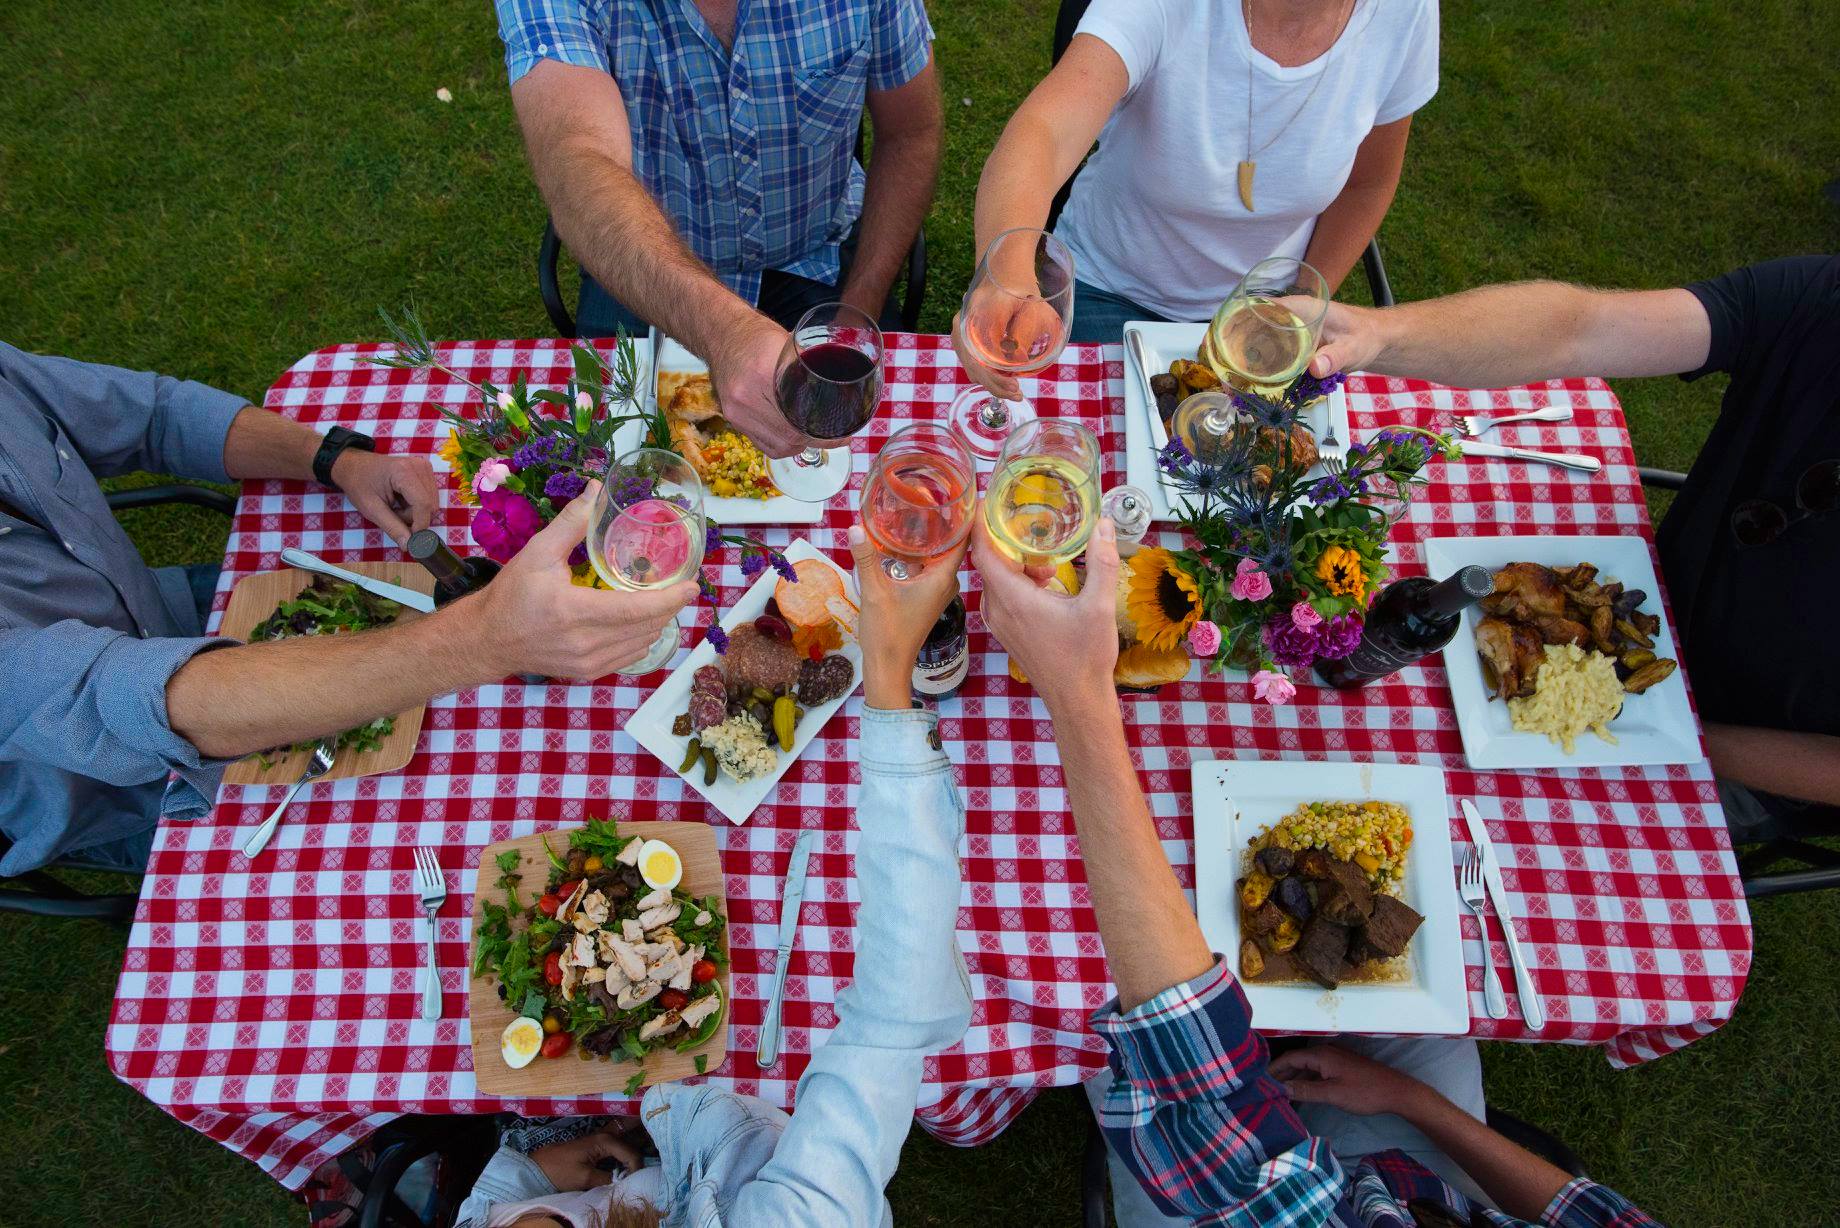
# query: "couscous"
{"type": "Point", "coordinates": [1373, 835]}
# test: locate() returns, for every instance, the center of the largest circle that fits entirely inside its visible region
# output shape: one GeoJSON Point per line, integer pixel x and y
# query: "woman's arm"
{"type": "Point", "coordinates": [1352, 218]}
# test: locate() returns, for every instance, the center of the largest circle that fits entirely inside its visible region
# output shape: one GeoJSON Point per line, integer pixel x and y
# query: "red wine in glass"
{"type": "Point", "coordinates": [831, 393]}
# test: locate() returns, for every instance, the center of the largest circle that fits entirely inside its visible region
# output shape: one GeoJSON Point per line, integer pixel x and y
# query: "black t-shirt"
{"type": "Point", "coordinates": [1760, 626]}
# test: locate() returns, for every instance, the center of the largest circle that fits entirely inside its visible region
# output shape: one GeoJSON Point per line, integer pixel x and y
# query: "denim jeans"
{"type": "Point", "coordinates": [1100, 316]}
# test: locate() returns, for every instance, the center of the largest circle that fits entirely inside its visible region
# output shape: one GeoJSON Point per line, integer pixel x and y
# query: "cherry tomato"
{"type": "Point", "coordinates": [593, 864]}
{"type": "Point", "coordinates": [557, 1044]}
{"type": "Point", "coordinates": [567, 889]}
{"type": "Point", "coordinates": [674, 999]}
{"type": "Point", "coordinates": [703, 971]}
{"type": "Point", "coordinates": [551, 1025]}
{"type": "Point", "coordinates": [552, 967]}
{"type": "Point", "coordinates": [547, 905]}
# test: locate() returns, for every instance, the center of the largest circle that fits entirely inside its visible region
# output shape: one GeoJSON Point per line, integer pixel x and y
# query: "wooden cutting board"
{"type": "Point", "coordinates": [571, 1076]}
{"type": "Point", "coordinates": [254, 599]}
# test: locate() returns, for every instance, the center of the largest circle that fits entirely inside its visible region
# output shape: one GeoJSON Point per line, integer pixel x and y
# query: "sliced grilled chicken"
{"type": "Point", "coordinates": [634, 995]}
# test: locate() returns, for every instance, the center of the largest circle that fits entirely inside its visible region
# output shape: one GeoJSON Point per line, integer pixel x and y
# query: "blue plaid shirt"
{"type": "Point", "coordinates": [1198, 1119]}
{"type": "Point", "coordinates": [750, 153]}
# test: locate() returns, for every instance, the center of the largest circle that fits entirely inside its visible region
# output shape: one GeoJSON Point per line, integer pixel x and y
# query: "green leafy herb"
{"type": "Point", "coordinates": [635, 1083]}
{"type": "Point", "coordinates": [702, 1062]}
{"type": "Point", "coordinates": [631, 1043]}
{"type": "Point", "coordinates": [534, 1005]}
{"type": "Point", "coordinates": [600, 836]}
{"type": "Point", "coordinates": [560, 865]}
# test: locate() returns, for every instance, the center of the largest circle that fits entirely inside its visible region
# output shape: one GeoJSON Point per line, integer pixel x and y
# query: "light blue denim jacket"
{"type": "Point", "coordinates": [734, 1160]}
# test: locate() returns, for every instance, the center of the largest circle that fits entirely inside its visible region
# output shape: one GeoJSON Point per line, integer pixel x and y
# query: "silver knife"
{"type": "Point", "coordinates": [1531, 1010]}
{"type": "Point", "coordinates": [1566, 460]}
{"type": "Point", "coordinates": [768, 1053]}
{"type": "Point", "coordinates": [1135, 340]}
{"type": "Point", "coordinates": [421, 602]}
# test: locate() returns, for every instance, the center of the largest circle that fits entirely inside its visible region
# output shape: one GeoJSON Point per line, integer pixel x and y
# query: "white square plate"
{"type": "Point", "coordinates": [664, 354]}
{"type": "Point", "coordinates": [1655, 727]}
{"type": "Point", "coordinates": [1144, 435]}
{"type": "Point", "coordinates": [1234, 799]}
{"type": "Point", "coordinates": [650, 726]}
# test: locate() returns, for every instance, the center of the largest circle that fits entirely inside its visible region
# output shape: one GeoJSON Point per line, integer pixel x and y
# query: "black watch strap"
{"type": "Point", "coordinates": [336, 441]}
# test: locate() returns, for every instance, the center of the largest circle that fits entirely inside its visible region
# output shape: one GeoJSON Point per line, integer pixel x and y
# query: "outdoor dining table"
{"type": "Point", "coordinates": [274, 1004]}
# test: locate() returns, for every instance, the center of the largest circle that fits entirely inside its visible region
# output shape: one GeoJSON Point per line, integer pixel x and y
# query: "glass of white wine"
{"type": "Point", "coordinates": [1044, 494]}
{"type": "Point", "coordinates": [1264, 335]}
{"type": "Point", "coordinates": [647, 531]}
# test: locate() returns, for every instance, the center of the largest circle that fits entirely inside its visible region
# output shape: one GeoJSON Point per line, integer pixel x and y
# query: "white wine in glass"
{"type": "Point", "coordinates": [647, 531]}
{"type": "Point", "coordinates": [1264, 335]}
{"type": "Point", "coordinates": [1044, 494]}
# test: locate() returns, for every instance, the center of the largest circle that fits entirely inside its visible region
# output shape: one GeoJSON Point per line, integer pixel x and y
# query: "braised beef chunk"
{"type": "Point", "coordinates": [1322, 951]}
{"type": "Point", "coordinates": [1390, 927]}
{"type": "Point", "coordinates": [1281, 966]}
{"type": "Point", "coordinates": [1263, 920]}
{"type": "Point", "coordinates": [1347, 899]}
{"type": "Point", "coordinates": [1313, 863]}
{"type": "Point", "coordinates": [1359, 952]}
{"type": "Point", "coordinates": [1276, 860]}
{"type": "Point", "coordinates": [1294, 898]}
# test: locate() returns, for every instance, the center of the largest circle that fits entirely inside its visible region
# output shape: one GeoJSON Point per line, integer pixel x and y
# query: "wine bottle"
{"type": "Point", "coordinates": [454, 576]}
{"type": "Point", "coordinates": [945, 657]}
{"type": "Point", "coordinates": [1410, 619]}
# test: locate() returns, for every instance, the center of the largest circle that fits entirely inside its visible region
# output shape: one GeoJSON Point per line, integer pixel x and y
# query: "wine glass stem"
{"type": "Point", "coordinates": [898, 569]}
{"type": "Point", "coordinates": [812, 458]}
{"type": "Point", "coordinates": [993, 413]}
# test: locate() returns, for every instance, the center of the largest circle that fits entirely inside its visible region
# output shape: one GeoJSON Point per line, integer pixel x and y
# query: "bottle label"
{"type": "Point", "coordinates": [1374, 660]}
{"type": "Point", "coordinates": [944, 673]}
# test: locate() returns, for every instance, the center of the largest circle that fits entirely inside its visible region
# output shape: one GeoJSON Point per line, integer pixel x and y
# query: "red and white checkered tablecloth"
{"type": "Point", "coordinates": [274, 1007]}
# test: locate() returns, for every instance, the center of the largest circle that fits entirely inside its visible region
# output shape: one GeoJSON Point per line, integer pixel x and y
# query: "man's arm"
{"type": "Point", "coordinates": [531, 619]}
{"type": "Point", "coordinates": [580, 147]}
{"type": "Point", "coordinates": [907, 996]}
{"type": "Point", "coordinates": [1780, 761]}
{"type": "Point", "coordinates": [903, 166]}
{"type": "Point", "coordinates": [398, 494]}
{"type": "Point", "coordinates": [1354, 216]}
{"type": "Point", "coordinates": [1498, 336]}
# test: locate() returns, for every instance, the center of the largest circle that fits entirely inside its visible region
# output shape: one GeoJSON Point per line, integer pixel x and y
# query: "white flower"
{"type": "Point", "coordinates": [505, 402]}
{"type": "Point", "coordinates": [444, 94]}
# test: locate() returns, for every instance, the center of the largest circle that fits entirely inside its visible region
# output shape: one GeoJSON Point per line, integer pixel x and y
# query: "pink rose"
{"type": "Point", "coordinates": [1249, 583]}
{"type": "Point", "coordinates": [1203, 639]}
{"type": "Point", "coordinates": [1272, 687]}
{"type": "Point", "coordinates": [1304, 616]}
{"type": "Point", "coordinates": [504, 522]}
{"type": "Point", "coordinates": [491, 476]}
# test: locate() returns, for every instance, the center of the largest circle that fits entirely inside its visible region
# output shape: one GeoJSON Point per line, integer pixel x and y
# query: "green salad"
{"type": "Point", "coordinates": [600, 958]}
{"type": "Point", "coordinates": [331, 607]}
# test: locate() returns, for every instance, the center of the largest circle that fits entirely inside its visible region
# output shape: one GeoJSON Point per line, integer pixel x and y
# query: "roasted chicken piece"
{"type": "Point", "coordinates": [1524, 591]}
{"type": "Point", "coordinates": [1511, 656]}
{"type": "Point", "coordinates": [1555, 629]}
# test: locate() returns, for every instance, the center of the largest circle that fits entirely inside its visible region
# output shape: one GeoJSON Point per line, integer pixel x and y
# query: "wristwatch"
{"type": "Point", "coordinates": [336, 441]}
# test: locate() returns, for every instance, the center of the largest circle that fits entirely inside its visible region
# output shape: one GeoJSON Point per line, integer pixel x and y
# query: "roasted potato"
{"type": "Point", "coordinates": [1286, 937]}
{"type": "Point", "coordinates": [1648, 675]}
{"type": "Point", "coordinates": [1255, 889]}
{"type": "Point", "coordinates": [1251, 960]}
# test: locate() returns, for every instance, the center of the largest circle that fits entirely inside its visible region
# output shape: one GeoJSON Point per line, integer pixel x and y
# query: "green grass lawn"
{"type": "Point", "coordinates": [215, 189]}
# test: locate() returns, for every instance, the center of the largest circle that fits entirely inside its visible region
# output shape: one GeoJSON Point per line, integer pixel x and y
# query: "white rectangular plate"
{"type": "Point", "coordinates": [650, 726]}
{"type": "Point", "coordinates": [1656, 727]}
{"type": "Point", "coordinates": [1234, 799]}
{"type": "Point", "coordinates": [667, 355]}
{"type": "Point", "coordinates": [1144, 435]}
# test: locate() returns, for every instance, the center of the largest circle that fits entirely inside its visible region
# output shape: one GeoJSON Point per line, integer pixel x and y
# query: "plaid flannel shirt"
{"type": "Point", "coordinates": [1197, 1117]}
{"type": "Point", "coordinates": [749, 152]}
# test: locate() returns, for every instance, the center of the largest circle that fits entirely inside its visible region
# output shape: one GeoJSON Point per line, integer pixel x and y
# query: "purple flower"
{"type": "Point", "coordinates": [578, 555]}
{"type": "Point", "coordinates": [718, 638]}
{"type": "Point", "coordinates": [1338, 637]}
{"type": "Point", "coordinates": [543, 450]}
{"type": "Point", "coordinates": [753, 563]}
{"type": "Point", "coordinates": [629, 490]}
{"type": "Point", "coordinates": [704, 587]}
{"type": "Point", "coordinates": [504, 522]}
{"type": "Point", "coordinates": [564, 486]}
{"type": "Point", "coordinates": [783, 566]}
{"type": "Point", "coordinates": [1308, 388]}
{"type": "Point", "coordinates": [1174, 458]}
{"type": "Point", "coordinates": [712, 538]}
{"type": "Point", "coordinates": [1289, 644]}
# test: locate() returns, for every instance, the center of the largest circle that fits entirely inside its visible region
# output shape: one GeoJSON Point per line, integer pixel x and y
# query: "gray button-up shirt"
{"type": "Point", "coordinates": [89, 634]}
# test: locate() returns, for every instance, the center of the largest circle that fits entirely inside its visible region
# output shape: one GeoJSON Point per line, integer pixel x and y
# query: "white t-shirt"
{"type": "Point", "coordinates": [1155, 215]}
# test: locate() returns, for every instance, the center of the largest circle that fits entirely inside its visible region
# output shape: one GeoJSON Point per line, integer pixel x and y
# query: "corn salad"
{"type": "Point", "coordinates": [734, 468]}
{"type": "Point", "coordinates": [1373, 835]}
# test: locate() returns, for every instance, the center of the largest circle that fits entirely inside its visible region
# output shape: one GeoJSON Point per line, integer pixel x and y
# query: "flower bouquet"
{"type": "Point", "coordinates": [1283, 566]}
{"type": "Point", "coordinates": [524, 454]}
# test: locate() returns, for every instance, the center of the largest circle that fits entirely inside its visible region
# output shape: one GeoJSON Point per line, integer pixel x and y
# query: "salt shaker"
{"type": "Point", "coordinates": [1128, 507]}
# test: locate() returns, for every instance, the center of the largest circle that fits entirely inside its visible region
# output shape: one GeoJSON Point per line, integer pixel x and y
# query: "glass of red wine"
{"type": "Point", "coordinates": [919, 497]}
{"type": "Point", "coordinates": [829, 384]}
{"type": "Point", "coordinates": [1014, 319]}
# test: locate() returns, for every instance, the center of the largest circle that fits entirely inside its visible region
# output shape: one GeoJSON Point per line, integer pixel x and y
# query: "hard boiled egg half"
{"type": "Point", "coordinates": [660, 866]}
{"type": "Point", "coordinates": [522, 1039]}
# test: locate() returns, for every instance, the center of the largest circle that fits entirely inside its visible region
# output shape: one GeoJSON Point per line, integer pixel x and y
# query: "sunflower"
{"type": "Point", "coordinates": [1163, 600]}
{"type": "Point", "coordinates": [1339, 569]}
{"type": "Point", "coordinates": [449, 451]}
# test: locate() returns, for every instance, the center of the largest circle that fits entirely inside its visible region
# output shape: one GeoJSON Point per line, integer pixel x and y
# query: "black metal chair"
{"type": "Point", "coordinates": [464, 1145]}
{"type": "Point", "coordinates": [1066, 22]}
{"type": "Point", "coordinates": [1094, 1171]}
{"type": "Point", "coordinates": [40, 892]}
{"type": "Point", "coordinates": [1757, 868]}
{"type": "Point", "coordinates": [549, 257]}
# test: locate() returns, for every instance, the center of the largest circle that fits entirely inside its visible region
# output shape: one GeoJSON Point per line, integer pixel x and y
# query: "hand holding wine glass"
{"type": "Point", "coordinates": [828, 384]}
{"type": "Point", "coordinates": [1013, 321]}
{"type": "Point", "coordinates": [1265, 333]}
{"type": "Point", "coordinates": [1018, 331]}
{"type": "Point", "coordinates": [647, 531]}
{"type": "Point", "coordinates": [896, 616]}
{"type": "Point", "coordinates": [745, 372]}
{"type": "Point", "coordinates": [1044, 495]}
{"type": "Point", "coordinates": [918, 498]}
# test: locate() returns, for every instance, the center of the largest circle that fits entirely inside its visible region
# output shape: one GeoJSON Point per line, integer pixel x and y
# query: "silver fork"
{"type": "Point", "coordinates": [1330, 450]}
{"type": "Point", "coordinates": [434, 894]}
{"type": "Point", "coordinates": [317, 766]}
{"type": "Point", "coordinates": [1475, 897]}
{"type": "Point", "coordinates": [1472, 426]}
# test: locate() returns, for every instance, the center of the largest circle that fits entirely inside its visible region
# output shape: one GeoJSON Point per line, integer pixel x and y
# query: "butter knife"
{"type": "Point", "coordinates": [420, 602]}
{"type": "Point", "coordinates": [1531, 1010]}
{"type": "Point", "coordinates": [1566, 460]}
{"type": "Point", "coordinates": [1135, 340]}
{"type": "Point", "coordinates": [768, 1053]}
